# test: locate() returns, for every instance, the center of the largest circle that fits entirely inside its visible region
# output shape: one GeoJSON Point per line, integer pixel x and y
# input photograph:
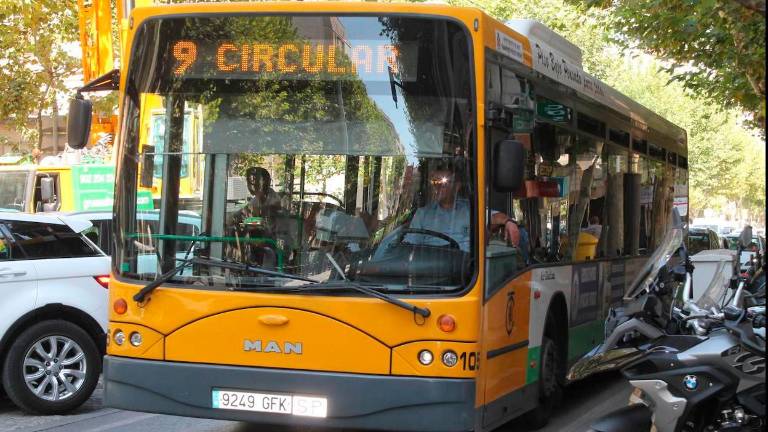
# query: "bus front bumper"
{"type": "Point", "coordinates": [354, 400]}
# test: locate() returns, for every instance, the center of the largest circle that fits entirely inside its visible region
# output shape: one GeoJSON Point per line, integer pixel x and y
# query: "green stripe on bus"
{"type": "Point", "coordinates": [584, 337]}
{"type": "Point", "coordinates": [532, 372]}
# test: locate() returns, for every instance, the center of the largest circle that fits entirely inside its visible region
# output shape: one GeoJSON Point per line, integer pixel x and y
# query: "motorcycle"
{"type": "Point", "coordinates": [706, 372]}
{"type": "Point", "coordinates": [646, 312]}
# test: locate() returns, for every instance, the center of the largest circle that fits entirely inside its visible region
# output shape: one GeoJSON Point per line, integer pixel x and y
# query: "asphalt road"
{"type": "Point", "coordinates": [583, 402]}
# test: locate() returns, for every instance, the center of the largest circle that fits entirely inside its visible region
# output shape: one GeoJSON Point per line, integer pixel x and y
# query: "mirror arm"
{"type": "Point", "coordinates": [108, 81]}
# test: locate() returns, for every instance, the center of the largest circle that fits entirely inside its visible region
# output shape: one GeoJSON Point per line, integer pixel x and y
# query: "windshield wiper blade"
{"type": "Point", "coordinates": [424, 312]}
{"type": "Point", "coordinates": [165, 277]}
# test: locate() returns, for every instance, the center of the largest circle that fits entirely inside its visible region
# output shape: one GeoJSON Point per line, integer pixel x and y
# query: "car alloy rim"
{"type": "Point", "coordinates": [55, 368]}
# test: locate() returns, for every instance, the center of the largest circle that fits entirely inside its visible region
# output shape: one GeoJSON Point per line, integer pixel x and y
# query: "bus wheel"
{"type": "Point", "coordinates": [550, 390]}
{"type": "Point", "coordinates": [51, 368]}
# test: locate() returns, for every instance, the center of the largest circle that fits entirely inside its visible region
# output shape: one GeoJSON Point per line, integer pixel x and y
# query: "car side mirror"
{"type": "Point", "coordinates": [147, 166]}
{"type": "Point", "coordinates": [79, 122]}
{"type": "Point", "coordinates": [46, 189]}
{"type": "Point", "coordinates": [508, 165]}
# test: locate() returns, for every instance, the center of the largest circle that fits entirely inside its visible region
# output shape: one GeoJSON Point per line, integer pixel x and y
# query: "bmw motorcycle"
{"type": "Point", "coordinates": [698, 367]}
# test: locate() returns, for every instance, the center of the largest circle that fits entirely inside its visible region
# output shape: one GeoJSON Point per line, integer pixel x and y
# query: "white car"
{"type": "Point", "coordinates": [53, 311]}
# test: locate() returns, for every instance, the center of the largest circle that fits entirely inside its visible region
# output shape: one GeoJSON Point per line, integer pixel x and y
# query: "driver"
{"type": "Point", "coordinates": [449, 215]}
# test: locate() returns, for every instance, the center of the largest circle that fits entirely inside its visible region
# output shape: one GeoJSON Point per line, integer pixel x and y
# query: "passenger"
{"type": "Point", "coordinates": [264, 200]}
{"type": "Point", "coordinates": [448, 214]}
{"type": "Point", "coordinates": [594, 228]}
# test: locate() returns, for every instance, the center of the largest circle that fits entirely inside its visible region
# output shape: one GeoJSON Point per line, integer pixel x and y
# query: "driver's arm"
{"type": "Point", "coordinates": [511, 231]}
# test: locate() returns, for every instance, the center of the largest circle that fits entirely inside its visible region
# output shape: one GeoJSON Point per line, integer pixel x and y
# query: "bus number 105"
{"type": "Point", "coordinates": [470, 361]}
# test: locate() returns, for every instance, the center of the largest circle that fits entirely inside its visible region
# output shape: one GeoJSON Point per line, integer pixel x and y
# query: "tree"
{"type": "Point", "coordinates": [716, 48]}
{"type": "Point", "coordinates": [34, 59]}
{"type": "Point", "coordinates": [726, 158]}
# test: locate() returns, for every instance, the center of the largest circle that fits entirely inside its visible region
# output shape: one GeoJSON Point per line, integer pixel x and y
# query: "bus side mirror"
{"type": "Point", "coordinates": [79, 122]}
{"type": "Point", "coordinates": [508, 165]}
{"type": "Point", "coordinates": [147, 166]}
{"type": "Point", "coordinates": [46, 189]}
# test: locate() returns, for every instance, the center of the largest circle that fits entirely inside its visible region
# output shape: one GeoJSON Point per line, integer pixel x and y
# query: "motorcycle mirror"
{"type": "Point", "coordinates": [745, 238]}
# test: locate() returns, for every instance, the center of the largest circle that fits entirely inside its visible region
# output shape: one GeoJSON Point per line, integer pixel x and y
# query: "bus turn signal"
{"type": "Point", "coordinates": [120, 306]}
{"type": "Point", "coordinates": [446, 323]}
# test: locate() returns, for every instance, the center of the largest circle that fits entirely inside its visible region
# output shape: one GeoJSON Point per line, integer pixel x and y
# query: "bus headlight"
{"type": "Point", "coordinates": [119, 337]}
{"type": "Point", "coordinates": [425, 357]}
{"type": "Point", "coordinates": [450, 358]}
{"type": "Point", "coordinates": [135, 339]}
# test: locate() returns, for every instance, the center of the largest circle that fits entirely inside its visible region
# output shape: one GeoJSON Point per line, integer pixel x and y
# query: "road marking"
{"type": "Point", "coordinates": [120, 423]}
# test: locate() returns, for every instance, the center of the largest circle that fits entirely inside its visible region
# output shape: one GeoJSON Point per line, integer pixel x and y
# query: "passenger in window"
{"type": "Point", "coordinates": [449, 214]}
{"type": "Point", "coordinates": [594, 228]}
{"type": "Point", "coordinates": [264, 199]}
{"type": "Point", "coordinates": [263, 205]}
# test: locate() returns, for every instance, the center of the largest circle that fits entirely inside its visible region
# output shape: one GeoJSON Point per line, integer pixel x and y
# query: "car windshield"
{"type": "Point", "coordinates": [698, 240]}
{"type": "Point", "coordinates": [13, 190]}
{"type": "Point", "coordinates": [294, 137]}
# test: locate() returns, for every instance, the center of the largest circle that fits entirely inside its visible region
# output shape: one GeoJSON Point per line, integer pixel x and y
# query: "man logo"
{"type": "Point", "coordinates": [272, 347]}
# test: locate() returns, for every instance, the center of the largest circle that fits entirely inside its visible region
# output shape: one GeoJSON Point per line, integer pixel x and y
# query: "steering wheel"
{"type": "Point", "coordinates": [405, 231]}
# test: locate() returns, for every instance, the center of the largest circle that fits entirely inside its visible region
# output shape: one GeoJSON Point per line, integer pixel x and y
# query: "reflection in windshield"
{"type": "Point", "coordinates": [317, 135]}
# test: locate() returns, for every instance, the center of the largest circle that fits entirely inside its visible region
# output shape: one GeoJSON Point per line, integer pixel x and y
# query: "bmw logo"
{"type": "Point", "coordinates": [691, 382]}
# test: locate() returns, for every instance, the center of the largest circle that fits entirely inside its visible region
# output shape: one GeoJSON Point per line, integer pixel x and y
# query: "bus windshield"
{"type": "Point", "coordinates": [343, 135]}
{"type": "Point", "coordinates": [13, 191]}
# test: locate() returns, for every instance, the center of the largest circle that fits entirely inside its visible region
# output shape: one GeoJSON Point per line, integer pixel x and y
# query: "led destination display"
{"type": "Point", "coordinates": [285, 60]}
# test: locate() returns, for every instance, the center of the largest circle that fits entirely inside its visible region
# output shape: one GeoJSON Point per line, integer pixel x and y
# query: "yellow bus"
{"type": "Point", "coordinates": [345, 273]}
{"type": "Point", "coordinates": [152, 140]}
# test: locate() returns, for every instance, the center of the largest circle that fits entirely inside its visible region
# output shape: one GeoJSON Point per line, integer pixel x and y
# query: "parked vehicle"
{"type": "Point", "coordinates": [189, 224]}
{"type": "Point", "coordinates": [708, 375]}
{"type": "Point", "coordinates": [645, 309]}
{"type": "Point", "coordinates": [53, 285]}
{"type": "Point", "coordinates": [701, 238]}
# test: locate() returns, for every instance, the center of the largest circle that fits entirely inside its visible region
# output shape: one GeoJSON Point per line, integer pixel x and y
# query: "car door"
{"type": "Point", "coordinates": [18, 281]}
{"type": "Point", "coordinates": [66, 266]}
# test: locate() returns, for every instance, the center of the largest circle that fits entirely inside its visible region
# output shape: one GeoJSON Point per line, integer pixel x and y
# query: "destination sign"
{"type": "Point", "coordinates": [286, 60]}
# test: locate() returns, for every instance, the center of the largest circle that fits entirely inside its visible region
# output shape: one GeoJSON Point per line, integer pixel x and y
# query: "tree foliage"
{"type": "Point", "coordinates": [715, 48]}
{"type": "Point", "coordinates": [34, 59]}
{"type": "Point", "coordinates": [726, 157]}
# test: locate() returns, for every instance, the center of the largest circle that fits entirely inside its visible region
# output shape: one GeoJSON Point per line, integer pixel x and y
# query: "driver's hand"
{"type": "Point", "coordinates": [512, 233]}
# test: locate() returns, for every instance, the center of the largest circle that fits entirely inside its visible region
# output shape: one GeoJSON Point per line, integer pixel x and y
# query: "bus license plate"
{"type": "Point", "coordinates": [272, 403]}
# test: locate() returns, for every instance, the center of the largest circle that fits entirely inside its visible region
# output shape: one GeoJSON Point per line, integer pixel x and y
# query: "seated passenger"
{"type": "Point", "coordinates": [594, 228]}
{"type": "Point", "coordinates": [264, 199]}
{"type": "Point", "coordinates": [448, 214]}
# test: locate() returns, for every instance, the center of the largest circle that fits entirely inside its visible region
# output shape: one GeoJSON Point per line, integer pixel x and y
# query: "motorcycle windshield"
{"type": "Point", "coordinates": [717, 290]}
{"type": "Point", "coordinates": [669, 245]}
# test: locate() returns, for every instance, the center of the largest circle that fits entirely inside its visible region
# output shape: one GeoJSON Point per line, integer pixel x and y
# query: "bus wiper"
{"type": "Point", "coordinates": [424, 312]}
{"type": "Point", "coordinates": [165, 277]}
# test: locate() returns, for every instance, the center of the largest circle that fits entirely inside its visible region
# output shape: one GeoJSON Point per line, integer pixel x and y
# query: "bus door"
{"type": "Point", "coordinates": [506, 294]}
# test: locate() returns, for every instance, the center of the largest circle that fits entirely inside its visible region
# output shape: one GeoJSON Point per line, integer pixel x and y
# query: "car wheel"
{"type": "Point", "coordinates": [51, 368]}
{"type": "Point", "coordinates": [550, 389]}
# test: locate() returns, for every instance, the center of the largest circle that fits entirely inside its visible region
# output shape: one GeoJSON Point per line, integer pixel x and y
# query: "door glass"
{"type": "Point", "coordinates": [40, 240]}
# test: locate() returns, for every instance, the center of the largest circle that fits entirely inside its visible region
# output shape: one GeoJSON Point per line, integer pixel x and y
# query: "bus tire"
{"type": "Point", "coordinates": [550, 389]}
{"type": "Point", "coordinates": [75, 359]}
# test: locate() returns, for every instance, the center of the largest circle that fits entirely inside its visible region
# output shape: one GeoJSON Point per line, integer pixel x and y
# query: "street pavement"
{"type": "Point", "coordinates": [583, 402]}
